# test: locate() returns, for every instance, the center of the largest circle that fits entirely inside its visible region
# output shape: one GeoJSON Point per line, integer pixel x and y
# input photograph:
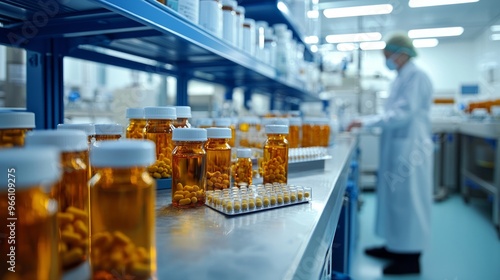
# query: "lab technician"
{"type": "Point", "coordinates": [404, 185]}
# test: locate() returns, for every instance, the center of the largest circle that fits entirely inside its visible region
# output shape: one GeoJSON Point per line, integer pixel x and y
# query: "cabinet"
{"type": "Point", "coordinates": [137, 34]}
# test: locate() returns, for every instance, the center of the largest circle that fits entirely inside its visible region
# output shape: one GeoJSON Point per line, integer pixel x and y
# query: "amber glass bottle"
{"type": "Point", "coordinates": [183, 115]}
{"type": "Point", "coordinates": [189, 167]}
{"type": "Point", "coordinates": [107, 132]}
{"type": "Point", "coordinates": [218, 158]}
{"type": "Point", "coordinates": [29, 214]}
{"type": "Point", "coordinates": [242, 170]}
{"type": "Point", "coordinates": [159, 128]}
{"type": "Point", "coordinates": [13, 128]}
{"type": "Point", "coordinates": [136, 123]}
{"type": "Point", "coordinates": [275, 162]}
{"type": "Point", "coordinates": [122, 200]}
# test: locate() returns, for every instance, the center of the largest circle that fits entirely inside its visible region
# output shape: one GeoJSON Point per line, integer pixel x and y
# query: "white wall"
{"type": "Point", "coordinates": [449, 65]}
{"type": "Point", "coordinates": [488, 64]}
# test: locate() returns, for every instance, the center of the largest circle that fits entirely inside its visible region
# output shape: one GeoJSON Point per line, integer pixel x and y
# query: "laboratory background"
{"type": "Point", "coordinates": [254, 74]}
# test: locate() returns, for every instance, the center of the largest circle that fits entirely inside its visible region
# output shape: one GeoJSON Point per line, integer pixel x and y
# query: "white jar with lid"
{"type": "Point", "coordinates": [270, 47]}
{"type": "Point", "coordinates": [211, 16]}
{"type": "Point", "coordinates": [229, 21]}
{"type": "Point", "coordinates": [240, 18]}
{"type": "Point", "coordinates": [249, 36]}
{"type": "Point", "coordinates": [260, 28]}
{"type": "Point", "coordinates": [187, 8]}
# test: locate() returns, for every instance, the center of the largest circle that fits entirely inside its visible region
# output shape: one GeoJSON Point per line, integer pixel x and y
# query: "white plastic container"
{"type": "Point", "coordinates": [270, 47]}
{"type": "Point", "coordinates": [240, 18]}
{"type": "Point", "coordinates": [210, 16]}
{"type": "Point", "coordinates": [249, 36]}
{"type": "Point", "coordinates": [229, 21]}
{"type": "Point", "coordinates": [260, 28]}
{"type": "Point", "coordinates": [190, 9]}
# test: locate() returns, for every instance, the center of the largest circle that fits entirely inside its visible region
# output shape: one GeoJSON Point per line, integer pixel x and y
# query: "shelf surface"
{"type": "Point", "coordinates": [146, 29]}
{"type": "Point", "coordinates": [478, 129]}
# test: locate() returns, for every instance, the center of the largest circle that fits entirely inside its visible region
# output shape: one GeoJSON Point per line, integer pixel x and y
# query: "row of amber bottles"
{"type": "Point", "coordinates": [50, 210]}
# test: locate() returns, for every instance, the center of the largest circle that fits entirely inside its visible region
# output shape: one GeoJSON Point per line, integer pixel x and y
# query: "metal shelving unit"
{"type": "Point", "coordinates": [161, 41]}
{"type": "Point", "coordinates": [475, 174]}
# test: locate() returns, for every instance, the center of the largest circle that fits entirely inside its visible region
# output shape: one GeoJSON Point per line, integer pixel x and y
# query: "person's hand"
{"type": "Point", "coordinates": [354, 124]}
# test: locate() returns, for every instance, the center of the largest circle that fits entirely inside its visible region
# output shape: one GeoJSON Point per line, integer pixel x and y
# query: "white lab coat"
{"type": "Point", "coordinates": [404, 186]}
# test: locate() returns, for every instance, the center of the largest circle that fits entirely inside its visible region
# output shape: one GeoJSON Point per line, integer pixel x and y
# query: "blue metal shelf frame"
{"type": "Point", "coordinates": [53, 29]}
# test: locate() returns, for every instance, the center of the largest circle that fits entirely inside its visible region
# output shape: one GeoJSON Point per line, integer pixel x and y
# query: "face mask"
{"type": "Point", "coordinates": [391, 64]}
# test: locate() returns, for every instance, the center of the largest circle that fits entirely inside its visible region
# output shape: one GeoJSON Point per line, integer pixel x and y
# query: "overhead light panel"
{"type": "Point", "coordinates": [425, 43]}
{"type": "Point", "coordinates": [314, 48]}
{"type": "Point", "coordinates": [311, 40]}
{"type": "Point", "coordinates": [346, 47]}
{"type": "Point", "coordinates": [495, 28]}
{"type": "Point", "coordinates": [436, 32]}
{"type": "Point", "coordinates": [313, 14]}
{"type": "Point", "coordinates": [358, 11]}
{"type": "Point", "coordinates": [368, 46]}
{"type": "Point", "coordinates": [354, 37]}
{"type": "Point", "coordinates": [495, 37]}
{"type": "Point", "coordinates": [429, 3]}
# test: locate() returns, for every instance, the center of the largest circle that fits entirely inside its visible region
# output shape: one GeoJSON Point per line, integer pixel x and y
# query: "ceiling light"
{"type": "Point", "coordinates": [358, 11]}
{"type": "Point", "coordinates": [355, 37]}
{"type": "Point", "coordinates": [429, 3]}
{"type": "Point", "coordinates": [436, 32]}
{"type": "Point", "coordinates": [425, 43]}
{"type": "Point", "coordinates": [315, 1]}
{"type": "Point", "coordinates": [311, 39]}
{"type": "Point", "coordinates": [313, 14]}
{"type": "Point", "coordinates": [314, 48]}
{"type": "Point", "coordinates": [495, 37]}
{"type": "Point", "coordinates": [345, 47]}
{"type": "Point", "coordinates": [495, 28]}
{"type": "Point", "coordinates": [283, 7]}
{"type": "Point", "coordinates": [367, 46]}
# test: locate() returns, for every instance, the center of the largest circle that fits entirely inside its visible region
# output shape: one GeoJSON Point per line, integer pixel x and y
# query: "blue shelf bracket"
{"type": "Point", "coordinates": [45, 90]}
{"type": "Point", "coordinates": [182, 88]}
{"type": "Point", "coordinates": [247, 98]}
{"type": "Point", "coordinates": [228, 96]}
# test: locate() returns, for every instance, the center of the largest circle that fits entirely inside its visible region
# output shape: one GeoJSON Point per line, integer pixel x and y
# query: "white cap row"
{"type": "Point", "coordinates": [93, 129]}
{"type": "Point", "coordinates": [166, 112]}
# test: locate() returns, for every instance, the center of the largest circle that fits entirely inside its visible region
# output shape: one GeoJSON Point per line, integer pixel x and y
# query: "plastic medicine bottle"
{"type": "Point", "coordinates": [183, 115]}
{"type": "Point", "coordinates": [122, 201]}
{"type": "Point", "coordinates": [189, 167]}
{"type": "Point", "coordinates": [106, 132]}
{"type": "Point", "coordinates": [28, 173]}
{"type": "Point", "coordinates": [275, 162]}
{"type": "Point", "coordinates": [13, 128]}
{"type": "Point", "coordinates": [71, 192]}
{"type": "Point", "coordinates": [218, 158]}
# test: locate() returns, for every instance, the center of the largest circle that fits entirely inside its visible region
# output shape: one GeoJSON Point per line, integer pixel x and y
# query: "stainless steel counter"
{"type": "Point", "coordinates": [479, 129]}
{"type": "Point", "coordinates": [286, 243]}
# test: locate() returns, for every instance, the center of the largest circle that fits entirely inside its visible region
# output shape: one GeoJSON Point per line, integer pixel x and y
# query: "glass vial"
{"type": "Point", "coordinates": [107, 132]}
{"type": "Point", "coordinates": [275, 162]}
{"type": "Point", "coordinates": [31, 221]}
{"type": "Point", "coordinates": [136, 123]}
{"type": "Point", "coordinates": [71, 192]}
{"type": "Point", "coordinates": [122, 200]}
{"type": "Point", "coordinates": [218, 158]}
{"type": "Point", "coordinates": [183, 115]}
{"type": "Point", "coordinates": [242, 172]}
{"type": "Point", "coordinates": [13, 128]}
{"type": "Point", "coordinates": [189, 167]}
{"type": "Point", "coordinates": [159, 127]}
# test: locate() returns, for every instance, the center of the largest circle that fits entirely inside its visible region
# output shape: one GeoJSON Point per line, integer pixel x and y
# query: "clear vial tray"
{"type": "Point", "coordinates": [255, 198]}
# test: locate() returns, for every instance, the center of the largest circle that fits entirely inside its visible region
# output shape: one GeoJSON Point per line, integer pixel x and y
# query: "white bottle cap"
{"type": "Point", "coordinates": [280, 28]}
{"type": "Point", "coordinates": [249, 21]}
{"type": "Point", "coordinates": [183, 111]}
{"type": "Point", "coordinates": [229, 3]}
{"type": "Point", "coordinates": [88, 128]}
{"type": "Point", "coordinates": [30, 166]}
{"type": "Point", "coordinates": [123, 153]}
{"type": "Point", "coordinates": [276, 129]}
{"type": "Point", "coordinates": [219, 133]}
{"type": "Point", "coordinates": [108, 129]}
{"type": "Point", "coordinates": [189, 134]}
{"type": "Point", "coordinates": [17, 120]}
{"type": "Point", "coordinates": [244, 153]}
{"type": "Point", "coordinates": [135, 113]}
{"type": "Point", "coordinates": [160, 113]}
{"type": "Point", "coordinates": [295, 121]}
{"type": "Point", "coordinates": [65, 140]}
{"type": "Point", "coordinates": [222, 122]}
{"type": "Point", "coordinates": [278, 121]}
